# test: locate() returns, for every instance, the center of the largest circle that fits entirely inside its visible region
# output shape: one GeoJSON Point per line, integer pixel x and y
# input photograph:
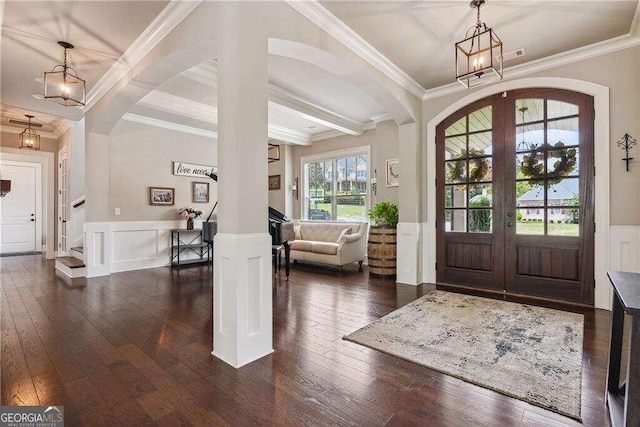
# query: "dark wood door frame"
{"type": "Point", "coordinates": [494, 261]}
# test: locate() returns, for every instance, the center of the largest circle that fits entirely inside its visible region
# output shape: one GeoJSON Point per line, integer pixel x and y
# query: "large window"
{"type": "Point", "coordinates": [336, 187]}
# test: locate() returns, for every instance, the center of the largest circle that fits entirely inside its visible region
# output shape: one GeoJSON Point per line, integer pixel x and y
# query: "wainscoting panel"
{"type": "Point", "coordinates": [130, 245]}
{"type": "Point", "coordinates": [408, 264]}
{"type": "Point", "coordinates": [625, 248]}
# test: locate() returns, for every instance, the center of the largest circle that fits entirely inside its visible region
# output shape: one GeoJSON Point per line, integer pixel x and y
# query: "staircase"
{"type": "Point", "coordinates": [72, 268]}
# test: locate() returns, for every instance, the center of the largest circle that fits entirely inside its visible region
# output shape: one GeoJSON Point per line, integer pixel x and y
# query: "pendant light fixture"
{"type": "Point", "coordinates": [29, 138]}
{"type": "Point", "coordinates": [479, 55]}
{"type": "Point", "coordinates": [62, 84]}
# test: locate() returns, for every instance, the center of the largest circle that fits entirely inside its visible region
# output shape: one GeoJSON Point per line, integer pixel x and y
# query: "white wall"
{"type": "Point", "coordinates": [142, 156]}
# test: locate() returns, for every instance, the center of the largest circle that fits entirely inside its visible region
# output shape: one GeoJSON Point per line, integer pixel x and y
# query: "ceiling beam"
{"type": "Point", "coordinates": [313, 112]}
{"type": "Point", "coordinates": [274, 131]}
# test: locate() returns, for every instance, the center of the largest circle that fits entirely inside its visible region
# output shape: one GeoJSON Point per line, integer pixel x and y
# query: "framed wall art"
{"type": "Point", "coordinates": [274, 182]}
{"type": "Point", "coordinates": [200, 192]}
{"type": "Point", "coordinates": [393, 172]}
{"type": "Point", "coordinates": [161, 196]}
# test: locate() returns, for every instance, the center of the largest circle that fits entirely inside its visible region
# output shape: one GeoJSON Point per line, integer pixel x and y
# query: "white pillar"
{"type": "Point", "coordinates": [242, 326]}
{"type": "Point", "coordinates": [409, 204]}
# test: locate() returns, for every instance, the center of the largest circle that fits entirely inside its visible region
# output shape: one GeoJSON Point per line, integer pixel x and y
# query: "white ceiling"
{"type": "Point", "coordinates": [419, 36]}
{"type": "Point", "coordinates": [306, 102]}
{"type": "Point", "coordinates": [100, 30]}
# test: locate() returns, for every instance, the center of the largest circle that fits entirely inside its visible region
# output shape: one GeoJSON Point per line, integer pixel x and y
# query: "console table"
{"type": "Point", "coordinates": [624, 401]}
{"type": "Point", "coordinates": [184, 242]}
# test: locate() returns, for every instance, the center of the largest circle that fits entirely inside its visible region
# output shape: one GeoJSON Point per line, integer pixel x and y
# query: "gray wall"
{"type": "Point", "coordinates": [621, 73]}
{"type": "Point", "coordinates": [383, 141]}
{"type": "Point", "coordinates": [141, 157]}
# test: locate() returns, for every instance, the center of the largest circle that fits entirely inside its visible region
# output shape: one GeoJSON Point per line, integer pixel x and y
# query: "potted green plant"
{"type": "Point", "coordinates": [381, 248]}
{"type": "Point", "coordinates": [384, 213]}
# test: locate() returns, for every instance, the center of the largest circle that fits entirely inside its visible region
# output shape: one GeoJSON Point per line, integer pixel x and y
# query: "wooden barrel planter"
{"type": "Point", "coordinates": [381, 250]}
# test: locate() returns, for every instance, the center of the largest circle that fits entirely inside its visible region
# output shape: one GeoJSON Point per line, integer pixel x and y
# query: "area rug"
{"type": "Point", "coordinates": [530, 353]}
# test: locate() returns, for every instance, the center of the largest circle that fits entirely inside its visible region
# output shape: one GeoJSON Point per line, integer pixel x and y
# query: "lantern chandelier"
{"type": "Point", "coordinates": [29, 138]}
{"type": "Point", "coordinates": [62, 84]}
{"type": "Point", "coordinates": [479, 55]}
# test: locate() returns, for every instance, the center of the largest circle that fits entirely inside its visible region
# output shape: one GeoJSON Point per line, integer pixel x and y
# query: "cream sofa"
{"type": "Point", "coordinates": [327, 242]}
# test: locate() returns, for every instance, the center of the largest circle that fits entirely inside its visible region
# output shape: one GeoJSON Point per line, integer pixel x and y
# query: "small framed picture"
{"type": "Point", "coordinates": [274, 182]}
{"type": "Point", "coordinates": [200, 192]}
{"type": "Point", "coordinates": [159, 196]}
{"type": "Point", "coordinates": [393, 172]}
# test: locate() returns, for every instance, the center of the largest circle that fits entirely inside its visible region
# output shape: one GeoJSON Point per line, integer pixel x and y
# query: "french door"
{"type": "Point", "coordinates": [515, 196]}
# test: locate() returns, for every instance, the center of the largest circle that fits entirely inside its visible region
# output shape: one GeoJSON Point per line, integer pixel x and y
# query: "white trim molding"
{"type": "Point", "coordinates": [172, 15]}
{"type": "Point", "coordinates": [625, 248]}
{"type": "Point", "coordinates": [601, 137]}
{"type": "Point", "coordinates": [243, 313]}
{"type": "Point", "coordinates": [151, 121]}
{"type": "Point", "coordinates": [408, 253]}
{"type": "Point", "coordinates": [329, 23]}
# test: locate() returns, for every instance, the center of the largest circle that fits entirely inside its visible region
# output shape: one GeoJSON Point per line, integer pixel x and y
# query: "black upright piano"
{"type": "Point", "coordinates": [281, 230]}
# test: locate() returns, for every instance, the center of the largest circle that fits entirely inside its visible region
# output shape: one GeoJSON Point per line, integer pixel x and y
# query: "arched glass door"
{"type": "Point", "coordinates": [515, 195]}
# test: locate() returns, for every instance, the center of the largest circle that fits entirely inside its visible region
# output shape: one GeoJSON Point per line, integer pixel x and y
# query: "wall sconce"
{"type": "Point", "coordinates": [273, 153]}
{"type": "Point", "coordinates": [5, 187]}
{"type": "Point", "coordinates": [626, 143]}
{"type": "Point", "coordinates": [294, 188]}
{"type": "Point", "coordinates": [374, 182]}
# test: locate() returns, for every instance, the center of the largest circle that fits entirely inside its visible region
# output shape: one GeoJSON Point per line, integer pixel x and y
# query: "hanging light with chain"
{"type": "Point", "coordinates": [62, 84]}
{"type": "Point", "coordinates": [479, 55]}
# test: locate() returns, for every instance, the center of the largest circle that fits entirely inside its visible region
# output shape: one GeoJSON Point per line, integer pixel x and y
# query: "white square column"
{"type": "Point", "coordinates": [242, 306]}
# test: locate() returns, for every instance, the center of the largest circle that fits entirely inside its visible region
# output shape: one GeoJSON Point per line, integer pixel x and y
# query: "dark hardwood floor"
{"type": "Point", "coordinates": [135, 349]}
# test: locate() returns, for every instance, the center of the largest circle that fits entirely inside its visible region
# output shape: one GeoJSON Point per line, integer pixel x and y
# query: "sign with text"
{"type": "Point", "coordinates": [188, 169]}
{"type": "Point", "coordinates": [32, 416]}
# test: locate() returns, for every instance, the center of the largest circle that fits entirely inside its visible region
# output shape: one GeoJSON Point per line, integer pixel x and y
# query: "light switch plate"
{"type": "Point", "coordinates": [117, 211]}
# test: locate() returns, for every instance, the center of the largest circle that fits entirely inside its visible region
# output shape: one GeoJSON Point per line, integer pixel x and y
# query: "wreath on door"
{"type": "Point", "coordinates": [478, 167]}
{"type": "Point", "coordinates": [532, 165]}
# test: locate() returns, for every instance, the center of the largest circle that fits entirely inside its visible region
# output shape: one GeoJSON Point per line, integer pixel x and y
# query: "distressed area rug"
{"type": "Point", "coordinates": [530, 353]}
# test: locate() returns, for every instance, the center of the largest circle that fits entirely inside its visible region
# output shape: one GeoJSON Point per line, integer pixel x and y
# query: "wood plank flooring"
{"type": "Point", "coordinates": [134, 349]}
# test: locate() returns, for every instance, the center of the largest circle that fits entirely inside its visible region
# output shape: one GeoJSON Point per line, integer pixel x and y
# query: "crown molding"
{"type": "Point", "coordinates": [169, 103]}
{"type": "Point", "coordinates": [337, 29]}
{"type": "Point", "coordinates": [174, 13]}
{"type": "Point", "coordinates": [137, 118]}
{"type": "Point", "coordinates": [16, 131]}
{"type": "Point", "coordinates": [564, 58]}
{"type": "Point", "coordinates": [64, 126]}
{"type": "Point", "coordinates": [288, 135]}
{"type": "Point", "coordinates": [274, 131]}
{"type": "Point", "coordinates": [326, 135]}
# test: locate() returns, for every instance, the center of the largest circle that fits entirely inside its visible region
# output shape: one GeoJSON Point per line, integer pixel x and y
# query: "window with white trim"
{"type": "Point", "coordinates": [336, 186]}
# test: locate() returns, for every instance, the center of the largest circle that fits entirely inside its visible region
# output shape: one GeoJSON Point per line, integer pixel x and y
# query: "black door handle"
{"type": "Point", "coordinates": [32, 219]}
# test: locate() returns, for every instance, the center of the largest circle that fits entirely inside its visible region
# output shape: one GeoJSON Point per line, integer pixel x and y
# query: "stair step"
{"type": "Point", "coordinates": [71, 262]}
{"type": "Point", "coordinates": [78, 249]}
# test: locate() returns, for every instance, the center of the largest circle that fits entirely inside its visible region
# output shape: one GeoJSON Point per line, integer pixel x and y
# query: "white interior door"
{"type": "Point", "coordinates": [63, 203]}
{"type": "Point", "coordinates": [20, 222]}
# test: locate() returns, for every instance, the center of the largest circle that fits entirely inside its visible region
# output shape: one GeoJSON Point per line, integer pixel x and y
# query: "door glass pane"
{"type": "Point", "coordinates": [458, 128]}
{"type": "Point", "coordinates": [529, 193]}
{"type": "Point", "coordinates": [480, 195]}
{"type": "Point", "coordinates": [529, 110]}
{"type": "Point", "coordinates": [563, 192]}
{"type": "Point", "coordinates": [480, 144]}
{"type": "Point", "coordinates": [529, 136]}
{"type": "Point", "coordinates": [480, 169]}
{"type": "Point", "coordinates": [455, 220]}
{"type": "Point", "coordinates": [455, 196]}
{"type": "Point", "coordinates": [480, 221]}
{"type": "Point", "coordinates": [562, 222]}
{"type": "Point", "coordinates": [455, 171]}
{"type": "Point", "coordinates": [563, 131]}
{"type": "Point", "coordinates": [563, 162]}
{"type": "Point", "coordinates": [480, 119]}
{"type": "Point", "coordinates": [530, 221]}
{"type": "Point", "coordinates": [557, 109]}
{"type": "Point", "coordinates": [455, 147]}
